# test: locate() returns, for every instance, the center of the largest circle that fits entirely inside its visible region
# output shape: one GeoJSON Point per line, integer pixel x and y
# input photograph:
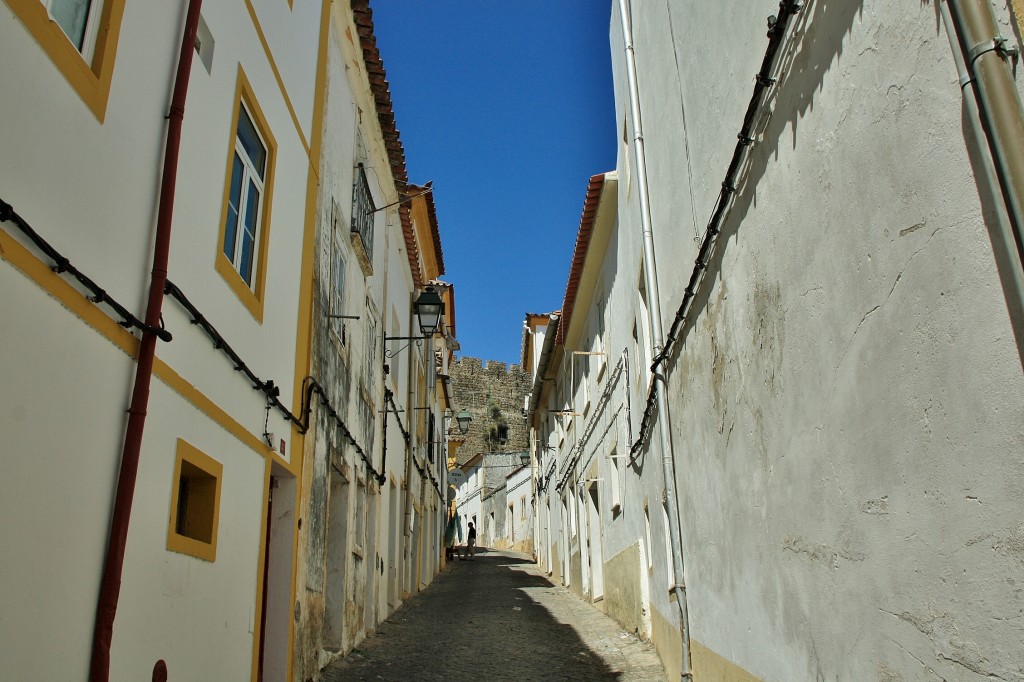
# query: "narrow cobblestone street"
{"type": "Point", "coordinates": [498, 618]}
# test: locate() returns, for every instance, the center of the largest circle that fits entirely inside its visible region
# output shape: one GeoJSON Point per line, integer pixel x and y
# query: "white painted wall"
{"type": "Point", "coordinates": [162, 591]}
{"type": "Point", "coordinates": [467, 501]}
{"type": "Point", "coordinates": [518, 494]}
{"type": "Point", "coordinates": [846, 409]}
{"type": "Point", "coordinates": [60, 464]}
{"type": "Point", "coordinates": [91, 190]}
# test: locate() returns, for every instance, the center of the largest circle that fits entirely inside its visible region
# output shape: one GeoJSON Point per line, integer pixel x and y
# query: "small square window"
{"type": "Point", "coordinates": [195, 503]}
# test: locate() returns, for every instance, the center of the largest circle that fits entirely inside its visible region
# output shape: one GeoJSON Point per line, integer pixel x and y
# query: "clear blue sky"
{"type": "Point", "coordinates": [508, 108]}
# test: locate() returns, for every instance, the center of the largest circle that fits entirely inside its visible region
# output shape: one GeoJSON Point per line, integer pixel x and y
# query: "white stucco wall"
{"type": "Point", "coordinates": [60, 450]}
{"type": "Point", "coordinates": [517, 493]}
{"type": "Point", "coordinates": [846, 408]}
{"type": "Point", "coordinates": [90, 188]}
{"type": "Point", "coordinates": [162, 591]}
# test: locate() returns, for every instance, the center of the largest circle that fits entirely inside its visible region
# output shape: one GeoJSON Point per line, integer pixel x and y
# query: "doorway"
{"type": "Point", "coordinates": [275, 611]}
{"type": "Point", "coordinates": [595, 541]}
{"type": "Point", "coordinates": [337, 562]}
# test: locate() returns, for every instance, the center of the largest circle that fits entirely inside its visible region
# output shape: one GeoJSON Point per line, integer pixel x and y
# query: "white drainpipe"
{"type": "Point", "coordinates": [657, 342]}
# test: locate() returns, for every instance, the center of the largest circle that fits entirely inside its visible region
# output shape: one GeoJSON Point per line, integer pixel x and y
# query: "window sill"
{"type": "Point", "coordinates": [365, 259]}
{"type": "Point", "coordinates": [252, 300]}
{"type": "Point", "coordinates": [195, 548]}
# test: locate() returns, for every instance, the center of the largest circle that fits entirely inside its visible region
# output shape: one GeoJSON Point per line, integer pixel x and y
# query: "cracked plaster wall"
{"type": "Point", "coordinates": [847, 408]}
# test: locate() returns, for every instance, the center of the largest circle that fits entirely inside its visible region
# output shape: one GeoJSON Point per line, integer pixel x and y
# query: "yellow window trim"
{"type": "Point", "coordinates": [277, 73]}
{"type": "Point", "coordinates": [90, 81]}
{"type": "Point", "coordinates": [180, 543]}
{"type": "Point", "coordinates": [253, 299]}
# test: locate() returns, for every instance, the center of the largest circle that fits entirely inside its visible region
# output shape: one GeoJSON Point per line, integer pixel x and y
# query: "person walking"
{"type": "Point", "coordinates": [471, 541]}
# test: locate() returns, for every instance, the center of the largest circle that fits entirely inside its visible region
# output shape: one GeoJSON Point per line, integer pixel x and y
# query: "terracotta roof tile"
{"type": "Point", "coordinates": [435, 232]}
{"type": "Point", "coordinates": [386, 118]}
{"type": "Point", "coordinates": [579, 255]}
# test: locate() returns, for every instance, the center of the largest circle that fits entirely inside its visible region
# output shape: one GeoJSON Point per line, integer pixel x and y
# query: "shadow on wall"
{"type": "Point", "coordinates": [814, 46]}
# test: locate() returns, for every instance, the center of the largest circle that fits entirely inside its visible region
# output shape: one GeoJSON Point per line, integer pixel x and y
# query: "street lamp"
{"type": "Point", "coordinates": [463, 419]}
{"type": "Point", "coordinates": [428, 308]}
{"type": "Point", "coordinates": [525, 457]}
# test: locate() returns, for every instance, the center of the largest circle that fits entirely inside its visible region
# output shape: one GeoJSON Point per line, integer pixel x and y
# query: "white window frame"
{"type": "Point", "coordinates": [585, 381]}
{"type": "Point", "coordinates": [338, 270]}
{"type": "Point", "coordinates": [599, 344]}
{"type": "Point", "coordinates": [249, 174]}
{"type": "Point", "coordinates": [370, 366]}
{"type": "Point", "coordinates": [614, 482]}
{"type": "Point", "coordinates": [92, 21]}
{"type": "Point", "coordinates": [644, 319]}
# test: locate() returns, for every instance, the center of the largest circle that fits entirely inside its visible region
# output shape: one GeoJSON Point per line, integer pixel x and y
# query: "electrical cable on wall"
{"type": "Point", "coordinates": [62, 265]}
{"type": "Point", "coordinates": [389, 399]}
{"type": "Point", "coordinates": [310, 386]}
{"type": "Point", "coordinates": [588, 429]}
{"type": "Point", "coordinates": [763, 81]}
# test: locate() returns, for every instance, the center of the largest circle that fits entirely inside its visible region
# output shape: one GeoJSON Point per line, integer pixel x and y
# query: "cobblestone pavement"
{"type": "Point", "coordinates": [498, 618]}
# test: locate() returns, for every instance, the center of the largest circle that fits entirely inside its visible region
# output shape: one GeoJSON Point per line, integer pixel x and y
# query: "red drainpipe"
{"type": "Point", "coordinates": [110, 587]}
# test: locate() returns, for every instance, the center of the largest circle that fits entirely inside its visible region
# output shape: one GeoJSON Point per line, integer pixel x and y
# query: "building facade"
{"type": "Point", "coordinates": [374, 468]}
{"type": "Point", "coordinates": [268, 528]}
{"type": "Point", "coordinates": [834, 493]}
{"type": "Point", "coordinates": [242, 211]}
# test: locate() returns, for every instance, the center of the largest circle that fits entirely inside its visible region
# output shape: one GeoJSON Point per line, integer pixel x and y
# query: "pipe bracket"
{"type": "Point", "coordinates": [996, 44]}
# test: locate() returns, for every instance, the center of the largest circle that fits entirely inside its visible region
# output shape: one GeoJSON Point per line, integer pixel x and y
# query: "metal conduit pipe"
{"type": "Point", "coordinates": [996, 107]}
{"type": "Point", "coordinates": [656, 342]}
{"type": "Point", "coordinates": [110, 587]}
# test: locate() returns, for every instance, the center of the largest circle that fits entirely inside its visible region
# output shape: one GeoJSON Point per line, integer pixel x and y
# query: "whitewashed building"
{"type": "Point", "coordinates": [269, 531]}
{"type": "Point", "coordinates": [83, 138]}
{"type": "Point", "coordinates": [828, 487]}
{"type": "Point", "coordinates": [374, 475]}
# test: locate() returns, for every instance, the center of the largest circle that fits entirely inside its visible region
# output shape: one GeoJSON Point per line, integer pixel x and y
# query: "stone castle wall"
{"type": "Point", "coordinates": [494, 395]}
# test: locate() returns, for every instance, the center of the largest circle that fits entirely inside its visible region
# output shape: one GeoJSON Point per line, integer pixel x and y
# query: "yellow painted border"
{"type": "Point", "coordinates": [277, 73]}
{"type": "Point", "coordinates": [55, 285]}
{"type": "Point", "coordinates": [253, 299]}
{"type": "Point", "coordinates": [90, 81]}
{"type": "Point", "coordinates": [708, 665]}
{"type": "Point", "coordinates": [303, 347]}
{"type": "Point", "coordinates": [180, 543]}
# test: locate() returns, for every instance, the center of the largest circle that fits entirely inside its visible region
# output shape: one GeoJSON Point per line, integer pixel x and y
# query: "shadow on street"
{"type": "Point", "coordinates": [476, 619]}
